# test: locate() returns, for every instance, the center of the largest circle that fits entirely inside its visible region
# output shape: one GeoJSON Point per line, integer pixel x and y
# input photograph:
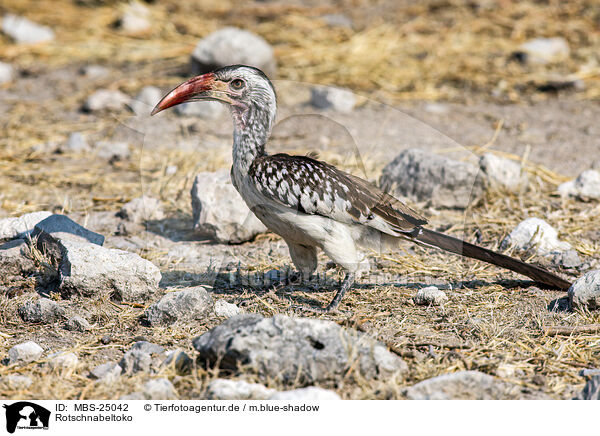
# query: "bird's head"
{"type": "Point", "coordinates": [244, 89]}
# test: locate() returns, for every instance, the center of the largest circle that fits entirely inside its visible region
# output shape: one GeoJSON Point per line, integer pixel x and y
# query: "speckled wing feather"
{"type": "Point", "coordinates": [315, 187]}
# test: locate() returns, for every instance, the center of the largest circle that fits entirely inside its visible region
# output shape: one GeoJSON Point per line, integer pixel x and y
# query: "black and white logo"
{"type": "Point", "coordinates": [26, 415]}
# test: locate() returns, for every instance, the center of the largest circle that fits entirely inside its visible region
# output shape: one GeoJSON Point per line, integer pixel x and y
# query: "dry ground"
{"type": "Point", "coordinates": [436, 50]}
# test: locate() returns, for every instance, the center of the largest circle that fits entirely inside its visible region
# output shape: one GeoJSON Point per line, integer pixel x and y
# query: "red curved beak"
{"type": "Point", "coordinates": [195, 88]}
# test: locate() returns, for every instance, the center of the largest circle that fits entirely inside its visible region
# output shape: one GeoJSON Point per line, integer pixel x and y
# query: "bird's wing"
{"type": "Point", "coordinates": [314, 187]}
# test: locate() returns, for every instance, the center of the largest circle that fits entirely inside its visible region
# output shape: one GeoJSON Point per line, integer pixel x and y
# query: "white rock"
{"type": "Point", "coordinates": [24, 353]}
{"type": "Point", "coordinates": [219, 211]}
{"type": "Point", "coordinates": [142, 209]}
{"type": "Point", "coordinates": [135, 18]}
{"type": "Point", "coordinates": [185, 305]}
{"type": "Point", "coordinates": [76, 143]}
{"type": "Point", "coordinates": [77, 324]}
{"type": "Point", "coordinates": [159, 389]}
{"type": "Point", "coordinates": [585, 292]}
{"type": "Point", "coordinates": [13, 227]}
{"type": "Point", "coordinates": [112, 150]}
{"type": "Point", "coordinates": [430, 295]}
{"type": "Point", "coordinates": [209, 110]}
{"type": "Point", "coordinates": [231, 46]}
{"type": "Point", "coordinates": [311, 393]}
{"type": "Point", "coordinates": [107, 372]}
{"type": "Point", "coordinates": [92, 271]}
{"type": "Point", "coordinates": [535, 233]}
{"type": "Point", "coordinates": [329, 97]}
{"type": "Point", "coordinates": [6, 72]}
{"type": "Point", "coordinates": [17, 381]}
{"type": "Point", "coordinates": [63, 361]}
{"type": "Point", "coordinates": [436, 108]}
{"type": "Point", "coordinates": [94, 71]}
{"type": "Point", "coordinates": [106, 99]}
{"type": "Point", "coordinates": [223, 389]}
{"type": "Point", "coordinates": [144, 102]}
{"type": "Point", "coordinates": [338, 20]}
{"type": "Point", "coordinates": [24, 31]}
{"type": "Point", "coordinates": [225, 309]}
{"type": "Point", "coordinates": [502, 173]}
{"type": "Point", "coordinates": [586, 186]}
{"type": "Point", "coordinates": [544, 50]}
{"type": "Point", "coordinates": [42, 310]}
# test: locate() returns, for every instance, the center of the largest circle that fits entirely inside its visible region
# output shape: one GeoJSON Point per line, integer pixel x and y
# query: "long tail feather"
{"type": "Point", "coordinates": [455, 245]}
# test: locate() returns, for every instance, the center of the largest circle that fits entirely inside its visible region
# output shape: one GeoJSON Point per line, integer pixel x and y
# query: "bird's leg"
{"type": "Point", "coordinates": [346, 284]}
{"type": "Point", "coordinates": [332, 307]}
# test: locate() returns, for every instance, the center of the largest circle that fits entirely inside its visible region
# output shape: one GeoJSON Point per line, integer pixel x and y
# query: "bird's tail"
{"type": "Point", "coordinates": [455, 245]}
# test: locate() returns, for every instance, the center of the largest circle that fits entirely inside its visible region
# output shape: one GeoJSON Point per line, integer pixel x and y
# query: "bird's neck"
{"type": "Point", "coordinates": [252, 128]}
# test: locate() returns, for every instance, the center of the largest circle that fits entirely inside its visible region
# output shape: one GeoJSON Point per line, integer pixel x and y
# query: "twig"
{"type": "Point", "coordinates": [567, 330]}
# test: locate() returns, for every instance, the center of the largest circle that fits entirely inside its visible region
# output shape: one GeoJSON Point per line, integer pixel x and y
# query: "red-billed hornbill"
{"type": "Point", "coordinates": [312, 204]}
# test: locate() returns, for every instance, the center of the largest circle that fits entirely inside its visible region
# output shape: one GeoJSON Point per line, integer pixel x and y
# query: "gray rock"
{"type": "Point", "coordinates": [225, 309]}
{"type": "Point", "coordinates": [61, 226]}
{"type": "Point", "coordinates": [17, 381]}
{"type": "Point", "coordinates": [15, 258]}
{"type": "Point", "coordinates": [337, 99]}
{"type": "Point", "coordinates": [178, 360]}
{"type": "Point", "coordinates": [219, 211]}
{"type": "Point", "coordinates": [535, 234]}
{"type": "Point", "coordinates": [437, 180]}
{"type": "Point", "coordinates": [76, 143]}
{"type": "Point", "coordinates": [90, 270]}
{"type": "Point", "coordinates": [43, 310]}
{"type": "Point", "coordinates": [591, 390]}
{"type": "Point", "coordinates": [543, 50]}
{"type": "Point", "coordinates": [148, 347]}
{"type": "Point", "coordinates": [24, 31]}
{"type": "Point", "coordinates": [185, 305]}
{"type": "Point", "coordinates": [159, 389]}
{"type": "Point", "coordinates": [7, 73]}
{"type": "Point", "coordinates": [223, 389]}
{"type": "Point", "coordinates": [468, 385]}
{"type": "Point", "coordinates": [310, 393]}
{"type": "Point", "coordinates": [142, 209]}
{"type": "Point", "coordinates": [135, 18]}
{"type": "Point", "coordinates": [19, 226]}
{"type": "Point", "coordinates": [295, 350]}
{"type": "Point", "coordinates": [145, 101]}
{"type": "Point", "coordinates": [586, 186]}
{"type": "Point", "coordinates": [112, 150]}
{"type": "Point", "coordinates": [107, 372]}
{"type": "Point", "coordinates": [77, 324]}
{"type": "Point", "coordinates": [106, 99]}
{"type": "Point", "coordinates": [230, 46]}
{"type": "Point", "coordinates": [63, 361]}
{"type": "Point", "coordinates": [24, 353]}
{"type": "Point", "coordinates": [430, 296]}
{"type": "Point", "coordinates": [208, 110]}
{"type": "Point", "coordinates": [567, 259]}
{"type": "Point", "coordinates": [135, 361]}
{"type": "Point", "coordinates": [585, 292]}
{"type": "Point", "coordinates": [502, 173]}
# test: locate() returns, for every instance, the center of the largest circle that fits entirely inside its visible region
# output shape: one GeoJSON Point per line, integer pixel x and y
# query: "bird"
{"type": "Point", "coordinates": [312, 204]}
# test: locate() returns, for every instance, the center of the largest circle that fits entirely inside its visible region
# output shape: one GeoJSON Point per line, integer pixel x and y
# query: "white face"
{"type": "Point", "coordinates": [248, 86]}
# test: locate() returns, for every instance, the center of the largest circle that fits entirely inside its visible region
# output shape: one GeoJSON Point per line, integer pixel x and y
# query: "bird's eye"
{"type": "Point", "coordinates": [237, 84]}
